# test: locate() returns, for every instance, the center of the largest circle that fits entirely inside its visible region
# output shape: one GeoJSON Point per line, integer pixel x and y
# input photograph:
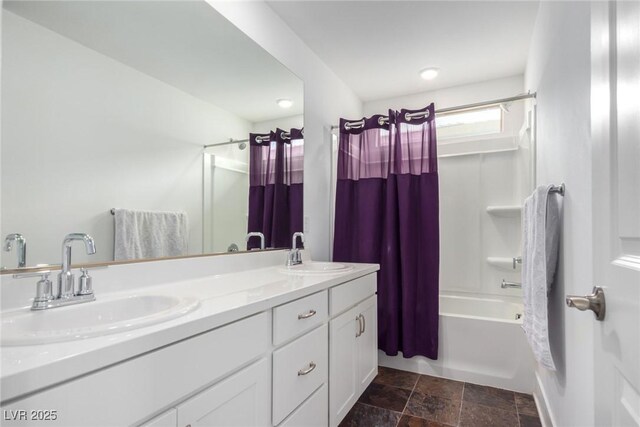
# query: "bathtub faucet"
{"type": "Point", "coordinates": [510, 285]}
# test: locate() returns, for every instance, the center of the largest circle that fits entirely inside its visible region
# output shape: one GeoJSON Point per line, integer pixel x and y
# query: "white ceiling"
{"type": "Point", "coordinates": [378, 47]}
{"type": "Point", "coordinates": [186, 44]}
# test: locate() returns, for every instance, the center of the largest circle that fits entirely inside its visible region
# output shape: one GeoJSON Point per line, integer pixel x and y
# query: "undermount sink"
{"type": "Point", "coordinates": [91, 319]}
{"type": "Point", "coordinates": [318, 268]}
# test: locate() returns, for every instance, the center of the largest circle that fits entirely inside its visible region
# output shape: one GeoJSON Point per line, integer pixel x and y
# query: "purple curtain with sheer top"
{"type": "Point", "coordinates": [387, 213]}
{"type": "Point", "coordinates": [275, 186]}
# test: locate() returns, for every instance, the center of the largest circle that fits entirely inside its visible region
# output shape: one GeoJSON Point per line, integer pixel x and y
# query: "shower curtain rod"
{"type": "Point", "coordinates": [231, 141]}
{"type": "Point", "coordinates": [477, 104]}
{"type": "Point", "coordinates": [283, 135]}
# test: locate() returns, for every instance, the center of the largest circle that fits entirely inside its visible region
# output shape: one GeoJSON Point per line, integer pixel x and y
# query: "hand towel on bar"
{"type": "Point", "coordinates": [144, 234]}
{"type": "Point", "coordinates": [541, 235]}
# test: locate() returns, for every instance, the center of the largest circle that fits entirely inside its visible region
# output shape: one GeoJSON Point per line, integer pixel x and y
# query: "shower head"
{"type": "Point", "coordinates": [242, 145]}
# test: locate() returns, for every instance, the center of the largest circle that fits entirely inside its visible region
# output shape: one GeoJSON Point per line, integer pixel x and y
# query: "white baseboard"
{"type": "Point", "coordinates": [546, 419]}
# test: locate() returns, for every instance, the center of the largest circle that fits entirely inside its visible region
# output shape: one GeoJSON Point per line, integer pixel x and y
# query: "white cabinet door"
{"type": "Point", "coordinates": [343, 365]}
{"type": "Point", "coordinates": [243, 399]}
{"type": "Point", "coordinates": [368, 343]}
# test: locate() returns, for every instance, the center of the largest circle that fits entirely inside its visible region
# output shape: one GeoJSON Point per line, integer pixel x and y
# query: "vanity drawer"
{"type": "Point", "coordinates": [347, 295]}
{"type": "Point", "coordinates": [312, 413]}
{"type": "Point", "coordinates": [299, 368]}
{"type": "Point", "coordinates": [299, 316]}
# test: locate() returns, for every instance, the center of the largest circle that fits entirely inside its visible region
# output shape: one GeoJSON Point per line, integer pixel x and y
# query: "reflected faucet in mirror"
{"type": "Point", "coordinates": [21, 248]}
{"type": "Point", "coordinates": [256, 234]}
{"type": "Point", "coordinates": [294, 257]}
{"type": "Point", "coordinates": [65, 278]}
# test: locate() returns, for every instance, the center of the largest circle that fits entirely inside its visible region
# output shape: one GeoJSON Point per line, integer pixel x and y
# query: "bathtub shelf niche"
{"type": "Point", "coordinates": [503, 263]}
{"type": "Point", "coordinates": [505, 211]}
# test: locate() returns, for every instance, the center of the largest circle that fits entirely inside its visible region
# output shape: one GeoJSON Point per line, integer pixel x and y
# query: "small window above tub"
{"type": "Point", "coordinates": [469, 123]}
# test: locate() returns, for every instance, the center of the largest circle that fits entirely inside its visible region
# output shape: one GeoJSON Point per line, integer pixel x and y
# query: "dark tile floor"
{"type": "Point", "coordinates": [406, 399]}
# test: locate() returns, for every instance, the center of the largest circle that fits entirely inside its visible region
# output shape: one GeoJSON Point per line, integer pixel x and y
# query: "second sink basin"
{"type": "Point", "coordinates": [91, 319]}
{"type": "Point", "coordinates": [318, 268]}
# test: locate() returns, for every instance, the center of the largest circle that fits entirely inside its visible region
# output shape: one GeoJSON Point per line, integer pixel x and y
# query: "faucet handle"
{"type": "Point", "coordinates": [86, 287]}
{"type": "Point", "coordinates": [44, 294]}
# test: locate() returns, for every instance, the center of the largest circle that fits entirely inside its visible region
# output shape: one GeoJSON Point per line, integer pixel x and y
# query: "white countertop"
{"type": "Point", "coordinates": [223, 298]}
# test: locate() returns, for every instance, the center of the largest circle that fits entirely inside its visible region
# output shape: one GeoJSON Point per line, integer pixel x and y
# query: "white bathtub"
{"type": "Point", "coordinates": [493, 309]}
{"type": "Point", "coordinates": [480, 341]}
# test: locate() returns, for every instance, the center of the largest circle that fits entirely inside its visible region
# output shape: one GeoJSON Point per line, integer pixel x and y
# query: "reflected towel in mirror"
{"type": "Point", "coordinates": [146, 234]}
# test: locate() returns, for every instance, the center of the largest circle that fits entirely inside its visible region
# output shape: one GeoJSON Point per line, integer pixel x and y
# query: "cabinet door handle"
{"type": "Point", "coordinates": [364, 324]}
{"type": "Point", "coordinates": [306, 315]}
{"type": "Point", "coordinates": [359, 326]}
{"type": "Point", "coordinates": [311, 367]}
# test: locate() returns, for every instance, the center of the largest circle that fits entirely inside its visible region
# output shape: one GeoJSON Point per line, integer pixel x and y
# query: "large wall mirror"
{"type": "Point", "coordinates": [156, 127]}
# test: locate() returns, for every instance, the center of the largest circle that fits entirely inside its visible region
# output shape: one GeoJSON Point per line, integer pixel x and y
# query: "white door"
{"type": "Point", "coordinates": [615, 117]}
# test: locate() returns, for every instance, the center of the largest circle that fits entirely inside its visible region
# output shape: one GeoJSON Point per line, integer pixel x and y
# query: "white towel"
{"type": "Point", "coordinates": [141, 234]}
{"type": "Point", "coordinates": [541, 235]}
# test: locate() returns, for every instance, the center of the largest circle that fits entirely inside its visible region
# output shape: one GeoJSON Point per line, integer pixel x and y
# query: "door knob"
{"type": "Point", "coordinates": [594, 302]}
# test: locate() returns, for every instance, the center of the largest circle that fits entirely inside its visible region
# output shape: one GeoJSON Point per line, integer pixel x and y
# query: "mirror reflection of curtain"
{"type": "Point", "coordinates": [275, 186]}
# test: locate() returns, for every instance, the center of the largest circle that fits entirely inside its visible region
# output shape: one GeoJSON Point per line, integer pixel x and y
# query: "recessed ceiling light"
{"type": "Point", "coordinates": [284, 103]}
{"type": "Point", "coordinates": [429, 73]}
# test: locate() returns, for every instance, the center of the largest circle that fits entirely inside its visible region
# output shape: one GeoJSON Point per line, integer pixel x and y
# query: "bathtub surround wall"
{"type": "Point", "coordinates": [326, 97]}
{"type": "Point", "coordinates": [558, 69]}
{"type": "Point", "coordinates": [77, 99]}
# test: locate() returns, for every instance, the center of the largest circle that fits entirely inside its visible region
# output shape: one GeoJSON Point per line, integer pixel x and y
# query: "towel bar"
{"type": "Point", "coordinates": [113, 211]}
{"type": "Point", "coordinates": [557, 189]}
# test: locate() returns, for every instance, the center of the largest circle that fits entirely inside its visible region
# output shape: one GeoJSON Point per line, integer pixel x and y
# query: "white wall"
{"type": "Point", "coordinates": [558, 69]}
{"type": "Point", "coordinates": [83, 133]}
{"type": "Point", "coordinates": [326, 99]}
{"type": "Point", "coordinates": [449, 97]}
{"type": "Point", "coordinates": [282, 123]}
{"type": "Point", "coordinates": [470, 183]}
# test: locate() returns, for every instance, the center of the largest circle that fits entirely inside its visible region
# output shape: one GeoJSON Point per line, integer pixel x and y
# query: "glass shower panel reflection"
{"type": "Point", "coordinates": [226, 187]}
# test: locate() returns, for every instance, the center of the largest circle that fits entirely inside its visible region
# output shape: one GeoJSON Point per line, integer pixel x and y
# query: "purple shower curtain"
{"type": "Point", "coordinates": [275, 186]}
{"type": "Point", "coordinates": [387, 213]}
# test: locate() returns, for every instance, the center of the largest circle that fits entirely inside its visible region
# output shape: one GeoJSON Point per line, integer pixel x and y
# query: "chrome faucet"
{"type": "Point", "coordinates": [66, 294]}
{"type": "Point", "coordinates": [294, 257]}
{"type": "Point", "coordinates": [256, 234]}
{"type": "Point", "coordinates": [65, 278]}
{"type": "Point", "coordinates": [21, 247]}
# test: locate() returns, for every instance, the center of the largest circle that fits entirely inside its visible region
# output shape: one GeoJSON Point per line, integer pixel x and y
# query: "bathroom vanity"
{"type": "Point", "coordinates": [265, 346]}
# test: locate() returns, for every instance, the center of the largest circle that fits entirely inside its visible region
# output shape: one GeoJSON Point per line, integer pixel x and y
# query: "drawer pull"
{"type": "Point", "coordinates": [359, 326]}
{"type": "Point", "coordinates": [364, 324]}
{"type": "Point", "coordinates": [310, 313]}
{"type": "Point", "coordinates": [311, 367]}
